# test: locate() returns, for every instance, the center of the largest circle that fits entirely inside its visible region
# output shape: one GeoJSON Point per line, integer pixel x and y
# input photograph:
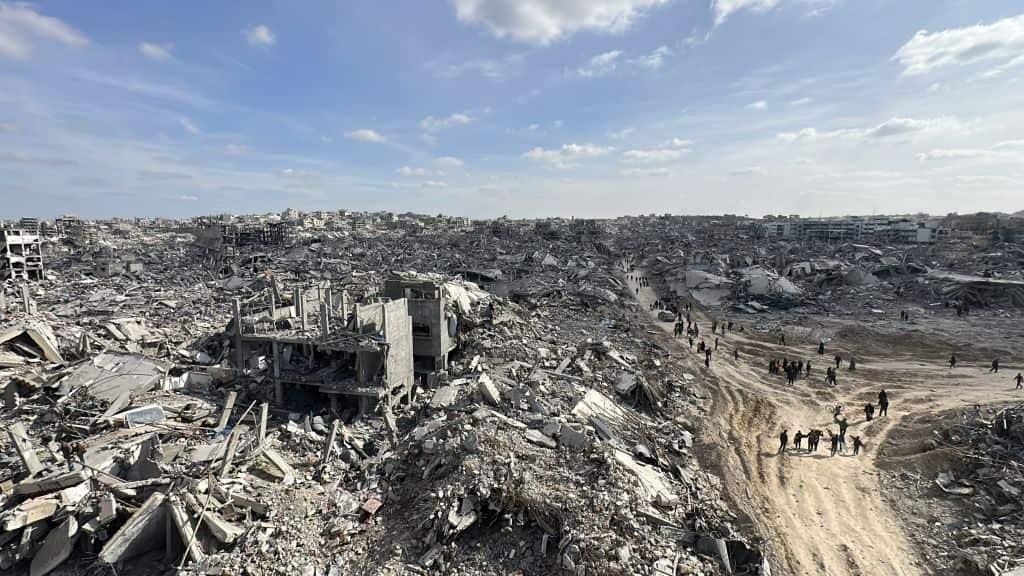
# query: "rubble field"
{"type": "Point", "coordinates": [422, 395]}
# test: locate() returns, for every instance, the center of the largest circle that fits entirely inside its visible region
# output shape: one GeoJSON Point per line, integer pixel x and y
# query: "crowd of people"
{"type": "Point", "coordinates": [684, 325]}
{"type": "Point", "coordinates": [837, 440]}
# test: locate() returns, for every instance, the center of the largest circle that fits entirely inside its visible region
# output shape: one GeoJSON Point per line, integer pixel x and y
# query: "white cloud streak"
{"type": "Point", "coordinates": [568, 156]}
{"type": "Point", "coordinates": [259, 35]}
{"type": "Point", "coordinates": [432, 124]}
{"type": "Point", "coordinates": [158, 52]}
{"type": "Point", "coordinates": [21, 27]}
{"type": "Point", "coordinates": [366, 135]}
{"type": "Point", "coordinates": [1001, 42]}
{"type": "Point", "coordinates": [600, 65]}
{"type": "Point", "coordinates": [542, 22]}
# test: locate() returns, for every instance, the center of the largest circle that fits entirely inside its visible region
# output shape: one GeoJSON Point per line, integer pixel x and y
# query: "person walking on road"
{"type": "Point", "coordinates": [1020, 381]}
{"type": "Point", "coordinates": [869, 411]}
{"type": "Point", "coordinates": [839, 360]}
{"type": "Point", "coordinates": [995, 366]}
{"type": "Point", "coordinates": [952, 361]}
{"type": "Point", "coordinates": [883, 403]}
{"type": "Point", "coordinates": [821, 348]}
{"type": "Point", "coordinates": [783, 441]}
{"type": "Point", "coordinates": [857, 444]}
{"type": "Point", "coordinates": [798, 439]}
{"type": "Point", "coordinates": [834, 441]}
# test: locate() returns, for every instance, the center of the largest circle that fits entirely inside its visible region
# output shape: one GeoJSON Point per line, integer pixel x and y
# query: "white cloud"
{"type": "Point", "coordinates": [366, 135]}
{"type": "Point", "coordinates": [21, 26]}
{"type": "Point", "coordinates": [901, 126]}
{"type": "Point", "coordinates": [449, 162]}
{"type": "Point", "coordinates": [188, 125]}
{"type": "Point", "coordinates": [674, 149]}
{"type": "Point", "coordinates": [999, 42]}
{"type": "Point", "coordinates": [432, 124]}
{"type": "Point", "coordinates": [259, 35]}
{"type": "Point", "coordinates": [434, 184]}
{"type": "Point", "coordinates": [725, 8]}
{"type": "Point", "coordinates": [653, 60]}
{"type": "Point", "coordinates": [646, 172]}
{"type": "Point", "coordinates": [236, 149]}
{"type": "Point", "coordinates": [802, 101]}
{"type": "Point", "coordinates": [954, 154]}
{"type": "Point", "coordinates": [420, 172]}
{"type": "Point", "coordinates": [159, 52]}
{"type": "Point", "coordinates": [604, 63]}
{"type": "Point", "coordinates": [545, 21]}
{"type": "Point", "coordinates": [186, 198]}
{"type": "Point", "coordinates": [492, 68]}
{"type": "Point", "coordinates": [7, 128]}
{"type": "Point", "coordinates": [759, 105]}
{"type": "Point", "coordinates": [568, 156]}
{"type": "Point", "coordinates": [890, 129]}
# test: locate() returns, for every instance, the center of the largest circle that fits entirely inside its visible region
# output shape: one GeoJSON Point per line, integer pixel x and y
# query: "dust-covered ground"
{"type": "Point", "coordinates": [848, 514]}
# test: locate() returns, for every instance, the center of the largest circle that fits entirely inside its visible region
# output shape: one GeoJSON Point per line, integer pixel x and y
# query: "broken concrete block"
{"type": "Point", "coordinates": [489, 390]}
{"type": "Point", "coordinates": [444, 397]}
{"type": "Point", "coordinates": [537, 437]}
{"type": "Point", "coordinates": [143, 415]}
{"type": "Point", "coordinates": [571, 439]}
{"type": "Point", "coordinates": [33, 487]}
{"type": "Point", "coordinates": [143, 532]}
{"type": "Point", "coordinates": [23, 446]}
{"type": "Point", "coordinates": [56, 548]}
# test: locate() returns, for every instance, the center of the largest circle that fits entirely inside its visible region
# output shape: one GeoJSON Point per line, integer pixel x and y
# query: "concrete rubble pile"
{"type": "Point", "coordinates": [980, 488]}
{"type": "Point", "coordinates": [257, 413]}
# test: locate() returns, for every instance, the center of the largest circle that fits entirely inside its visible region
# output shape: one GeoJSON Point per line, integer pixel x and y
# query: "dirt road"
{"type": "Point", "coordinates": [821, 515]}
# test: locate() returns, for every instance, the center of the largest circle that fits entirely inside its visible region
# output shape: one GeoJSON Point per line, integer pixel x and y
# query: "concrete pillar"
{"type": "Point", "coordinates": [26, 298]}
{"type": "Point", "coordinates": [275, 352]}
{"type": "Point", "coordinates": [325, 320]}
{"type": "Point", "coordinates": [301, 299]}
{"type": "Point", "coordinates": [239, 346]}
{"type": "Point", "coordinates": [273, 303]}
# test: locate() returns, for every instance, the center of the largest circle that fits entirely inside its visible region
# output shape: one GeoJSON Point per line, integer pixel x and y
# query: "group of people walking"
{"type": "Point", "coordinates": [837, 441]}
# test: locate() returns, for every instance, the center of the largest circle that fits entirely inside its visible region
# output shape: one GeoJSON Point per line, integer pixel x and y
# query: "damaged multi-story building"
{"type": "Point", "coordinates": [317, 344]}
{"type": "Point", "coordinates": [435, 323]}
{"type": "Point", "coordinates": [21, 254]}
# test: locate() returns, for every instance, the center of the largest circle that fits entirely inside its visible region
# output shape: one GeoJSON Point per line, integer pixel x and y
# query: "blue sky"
{"type": "Point", "coordinates": [511, 107]}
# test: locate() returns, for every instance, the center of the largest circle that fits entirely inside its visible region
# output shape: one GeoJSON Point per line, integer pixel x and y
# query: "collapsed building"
{"type": "Point", "coordinates": [21, 254]}
{"type": "Point", "coordinates": [356, 355]}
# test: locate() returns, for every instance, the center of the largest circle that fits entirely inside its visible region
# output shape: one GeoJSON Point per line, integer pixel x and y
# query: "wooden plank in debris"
{"type": "Point", "coordinates": [225, 415]}
{"type": "Point", "coordinates": [144, 530]}
{"type": "Point", "coordinates": [23, 445]}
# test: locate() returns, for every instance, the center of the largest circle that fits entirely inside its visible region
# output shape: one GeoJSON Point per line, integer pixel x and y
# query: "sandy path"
{"type": "Point", "coordinates": [821, 515]}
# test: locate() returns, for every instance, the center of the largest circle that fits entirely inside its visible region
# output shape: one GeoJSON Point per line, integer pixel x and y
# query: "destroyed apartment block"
{"type": "Point", "coordinates": [21, 255]}
{"type": "Point", "coordinates": [356, 358]}
{"type": "Point", "coordinates": [435, 323]}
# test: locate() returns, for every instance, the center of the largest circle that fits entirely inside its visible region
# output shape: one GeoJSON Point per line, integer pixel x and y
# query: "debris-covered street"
{"type": "Point", "coordinates": [354, 393]}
